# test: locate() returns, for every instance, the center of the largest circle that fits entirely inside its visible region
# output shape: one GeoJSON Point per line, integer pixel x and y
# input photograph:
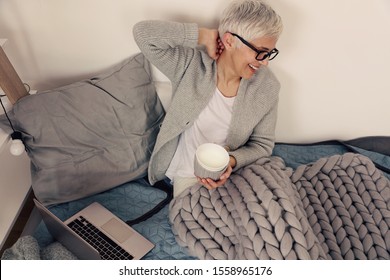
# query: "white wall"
{"type": "Point", "coordinates": [333, 64]}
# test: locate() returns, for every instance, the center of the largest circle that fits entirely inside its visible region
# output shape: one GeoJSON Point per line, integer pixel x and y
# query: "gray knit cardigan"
{"type": "Point", "coordinates": [172, 47]}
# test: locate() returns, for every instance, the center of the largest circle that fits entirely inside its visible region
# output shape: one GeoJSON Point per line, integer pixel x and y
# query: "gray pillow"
{"type": "Point", "coordinates": [91, 135]}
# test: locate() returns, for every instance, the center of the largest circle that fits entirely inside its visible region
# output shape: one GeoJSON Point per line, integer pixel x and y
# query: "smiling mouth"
{"type": "Point", "coordinates": [254, 67]}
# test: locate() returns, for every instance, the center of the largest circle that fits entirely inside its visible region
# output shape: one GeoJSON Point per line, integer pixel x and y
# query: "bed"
{"type": "Point", "coordinates": [132, 199]}
{"type": "Point", "coordinates": [75, 139]}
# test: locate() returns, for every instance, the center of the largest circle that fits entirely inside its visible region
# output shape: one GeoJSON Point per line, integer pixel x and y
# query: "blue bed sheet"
{"type": "Point", "coordinates": [133, 199]}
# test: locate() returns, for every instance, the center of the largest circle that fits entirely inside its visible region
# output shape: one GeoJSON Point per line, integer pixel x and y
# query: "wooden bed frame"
{"type": "Point", "coordinates": [10, 81]}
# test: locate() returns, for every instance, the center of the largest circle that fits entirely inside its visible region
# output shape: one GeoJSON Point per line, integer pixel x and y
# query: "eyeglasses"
{"type": "Point", "coordinates": [261, 55]}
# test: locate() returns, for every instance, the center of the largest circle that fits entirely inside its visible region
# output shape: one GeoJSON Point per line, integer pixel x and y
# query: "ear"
{"type": "Point", "coordinates": [228, 40]}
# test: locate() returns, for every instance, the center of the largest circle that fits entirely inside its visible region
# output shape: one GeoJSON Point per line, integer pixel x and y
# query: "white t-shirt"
{"type": "Point", "coordinates": [211, 126]}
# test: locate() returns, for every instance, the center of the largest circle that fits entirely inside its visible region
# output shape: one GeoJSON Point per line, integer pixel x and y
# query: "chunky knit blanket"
{"type": "Point", "coordinates": [336, 208]}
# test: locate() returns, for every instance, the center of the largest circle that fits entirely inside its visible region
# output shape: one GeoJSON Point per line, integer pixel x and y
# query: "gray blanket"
{"type": "Point", "coordinates": [336, 208]}
{"type": "Point", "coordinates": [27, 248]}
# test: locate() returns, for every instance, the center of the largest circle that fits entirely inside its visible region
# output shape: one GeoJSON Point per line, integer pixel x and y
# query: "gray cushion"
{"type": "Point", "coordinates": [92, 135]}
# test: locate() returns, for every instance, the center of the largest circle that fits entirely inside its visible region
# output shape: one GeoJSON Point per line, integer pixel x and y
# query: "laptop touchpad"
{"type": "Point", "coordinates": [117, 230]}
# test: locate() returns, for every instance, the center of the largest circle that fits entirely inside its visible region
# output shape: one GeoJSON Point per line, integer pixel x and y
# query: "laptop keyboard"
{"type": "Point", "coordinates": [107, 248]}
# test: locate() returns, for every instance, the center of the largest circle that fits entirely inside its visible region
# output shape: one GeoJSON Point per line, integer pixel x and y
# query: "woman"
{"type": "Point", "coordinates": [222, 91]}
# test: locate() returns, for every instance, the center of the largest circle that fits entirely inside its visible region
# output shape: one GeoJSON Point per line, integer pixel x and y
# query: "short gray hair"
{"type": "Point", "coordinates": [250, 19]}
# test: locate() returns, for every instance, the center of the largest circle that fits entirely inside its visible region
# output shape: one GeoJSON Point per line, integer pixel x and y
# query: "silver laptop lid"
{"type": "Point", "coordinates": [67, 237]}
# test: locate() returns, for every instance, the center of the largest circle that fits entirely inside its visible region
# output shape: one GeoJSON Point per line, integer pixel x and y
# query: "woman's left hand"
{"type": "Point", "coordinates": [211, 184]}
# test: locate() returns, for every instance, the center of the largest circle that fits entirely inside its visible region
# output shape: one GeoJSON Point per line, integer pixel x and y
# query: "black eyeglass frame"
{"type": "Point", "coordinates": [270, 55]}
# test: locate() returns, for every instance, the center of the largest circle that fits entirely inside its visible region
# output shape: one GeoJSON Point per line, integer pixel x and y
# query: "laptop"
{"type": "Point", "coordinates": [95, 233]}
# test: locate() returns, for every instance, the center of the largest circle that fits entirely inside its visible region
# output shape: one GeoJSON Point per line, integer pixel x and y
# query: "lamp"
{"type": "Point", "coordinates": [17, 147]}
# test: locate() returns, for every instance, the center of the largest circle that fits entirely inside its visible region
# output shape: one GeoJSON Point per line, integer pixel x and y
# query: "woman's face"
{"type": "Point", "coordinates": [244, 58]}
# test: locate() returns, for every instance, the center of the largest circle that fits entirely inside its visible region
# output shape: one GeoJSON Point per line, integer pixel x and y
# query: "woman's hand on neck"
{"type": "Point", "coordinates": [227, 80]}
{"type": "Point", "coordinates": [210, 39]}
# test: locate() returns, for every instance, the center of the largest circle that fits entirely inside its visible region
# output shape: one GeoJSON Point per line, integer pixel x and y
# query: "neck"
{"type": "Point", "coordinates": [225, 71]}
{"type": "Point", "coordinates": [227, 80]}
